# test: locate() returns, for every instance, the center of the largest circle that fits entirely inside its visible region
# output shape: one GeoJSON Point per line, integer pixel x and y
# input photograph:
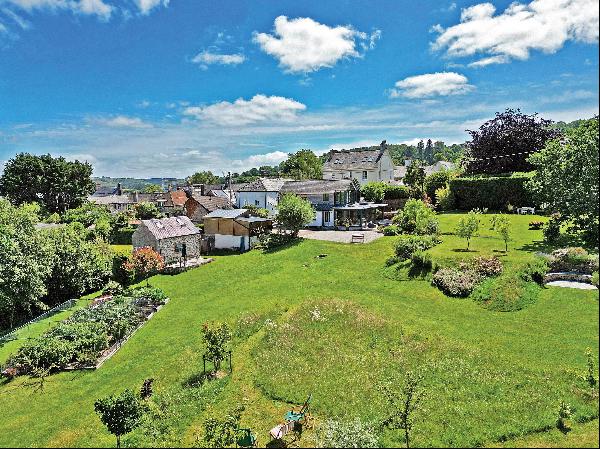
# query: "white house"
{"type": "Point", "coordinates": [363, 164]}
{"type": "Point", "coordinates": [263, 193]}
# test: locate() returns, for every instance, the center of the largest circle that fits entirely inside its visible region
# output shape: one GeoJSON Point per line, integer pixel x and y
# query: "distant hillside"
{"type": "Point", "coordinates": [136, 183]}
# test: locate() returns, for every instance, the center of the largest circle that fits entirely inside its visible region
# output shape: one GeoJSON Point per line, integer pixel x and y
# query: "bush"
{"type": "Point", "coordinates": [552, 229]}
{"type": "Point", "coordinates": [487, 266]}
{"type": "Point", "coordinates": [113, 288]}
{"type": "Point", "coordinates": [394, 192]}
{"type": "Point", "coordinates": [417, 218]}
{"type": "Point", "coordinates": [535, 225]}
{"type": "Point", "coordinates": [445, 199]}
{"type": "Point", "coordinates": [407, 245]}
{"type": "Point", "coordinates": [294, 213]}
{"type": "Point", "coordinates": [391, 230]}
{"type": "Point", "coordinates": [436, 181]}
{"type": "Point", "coordinates": [393, 260]}
{"type": "Point", "coordinates": [535, 270]}
{"type": "Point", "coordinates": [421, 260]}
{"type": "Point", "coordinates": [595, 278]}
{"type": "Point", "coordinates": [506, 293]}
{"type": "Point", "coordinates": [122, 236]}
{"type": "Point", "coordinates": [373, 191]}
{"type": "Point", "coordinates": [346, 434]}
{"type": "Point", "coordinates": [573, 259]}
{"type": "Point", "coordinates": [492, 192]}
{"type": "Point", "coordinates": [455, 282]}
{"type": "Point", "coordinates": [270, 241]}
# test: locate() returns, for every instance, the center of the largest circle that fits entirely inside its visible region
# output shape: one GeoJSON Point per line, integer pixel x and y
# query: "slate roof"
{"type": "Point", "coordinates": [224, 194]}
{"type": "Point", "coordinates": [264, 185]}
{"type": "Point", "coordinates": [226, 213]}
{"type": "Point", "coordinates": [212, 203]}
{"type": "Point", "coordinates": [165, 228]}
{"type": "Point", "coordinates": [110, 199]}
{"type": "Point", "coordinates": [316, 186]}
{"type": "Point", "coordinates": [357, 159]}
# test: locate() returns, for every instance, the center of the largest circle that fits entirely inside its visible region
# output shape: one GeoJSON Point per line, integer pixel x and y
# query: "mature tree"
{"type": "Point", "coordinates": [204, 177]}
{"type": "Point", "coordinates": [302, 165]}
{"type": "Point", "coordinates": [566, 178]}
{"type": "Point", "coordinates": [78, 266]}
{"type": "Point", "coordinates": [503, 144]}
{"type": "Point", "coordinates": [437, 180]}
{"type": "Point", "coordinates": [294, 213]}
{"type": "Point", "coordinates": [144, 262]}
{"type": "Point", "coordinates": [54, 183]}
{"type": "Point", "coordinates": [415, 177]}
{"type": "Point", "coordinates": [24, 263]}
{"type": "Point", "coordinates": [420, 151]}
{"type": "Point", "coordinates": [468, 226]}
{"type": "Point", "coordinates": [152, 188]}
{"type": "Point", "coordinates": [428, 152]}
{"type": "Point", "coordinates": [146, 210]}
{"type": "Point", "coordinates": [120, 413]}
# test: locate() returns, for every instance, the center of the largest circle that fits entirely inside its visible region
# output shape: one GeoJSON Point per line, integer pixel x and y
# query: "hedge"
{"type": "Point", "coordinates": [122, 236]}
{"type": "Point", "coordinates": [494, 193]}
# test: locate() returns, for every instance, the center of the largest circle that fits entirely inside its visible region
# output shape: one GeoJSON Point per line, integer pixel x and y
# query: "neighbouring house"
{"type": "Point", "coordinates": [234, 228]}
{"type": "Point", "coordinates": [115, 203]}
{"type": "Point", "coordinates": [230, 195]}
{"type": "Point", "coordinates": [169, 203]}
{"type": "Point", "coordinates": [174, 238]}
{"type": "Point", "coordinates": [263, 193]}
{"type": "Point", "coordinates": [324, 195]}
{"type": "Point", "coordinates": [363, 164]}
{"type": "Point", "coordinates": [105, 191]}
{"type": "Point", "coordinates": [198, 206]}
{"type": "Point", "coordinates": [400, 170]}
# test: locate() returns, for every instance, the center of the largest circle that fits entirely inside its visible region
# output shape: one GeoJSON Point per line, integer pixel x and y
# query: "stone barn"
{"type": "Point", "coordinates": [174, 238]}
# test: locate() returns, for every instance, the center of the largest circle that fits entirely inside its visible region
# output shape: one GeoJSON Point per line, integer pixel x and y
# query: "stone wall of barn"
{"type": "Point", "coordinates": [168, 248]}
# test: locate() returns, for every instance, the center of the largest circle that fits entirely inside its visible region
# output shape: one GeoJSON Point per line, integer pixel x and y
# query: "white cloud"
{"type": "Point", "coordinates": [543, 25]}
{"type": "Point", "coordinates": [206, 58]}
{"type": "Point", "coordinates": [122, 121]}
{"type": "Point", "coordinates": [87, 7]}
{"type": "Point", "coordinates": [303, 45]}
{"type": "Point", "coordinates": [258, 160]}
{"type": "Point", "coordinates": [500, 59]}
{"type": "Point", "coordinates": [260, 108]}
{"type": "Point", "coordinates": [431, 84]}
{"type": "Point", "coordinates": [145, 6]}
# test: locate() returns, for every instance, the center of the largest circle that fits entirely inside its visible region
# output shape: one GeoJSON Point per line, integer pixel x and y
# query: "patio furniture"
{"type": "Point", "coordinates": [300, 414]}
{"type": "Point", "coordinates": [245, 438]}
{"type": "Point", "coordinates": [526, 210]}
{"type": "Point", "coordinates": [356, 238]}
{"type": "Point", "coordinates": [281, 430]}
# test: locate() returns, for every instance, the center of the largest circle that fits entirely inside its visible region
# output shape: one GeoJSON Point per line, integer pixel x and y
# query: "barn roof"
{"type": "Point", "coordinates": [164, 228]}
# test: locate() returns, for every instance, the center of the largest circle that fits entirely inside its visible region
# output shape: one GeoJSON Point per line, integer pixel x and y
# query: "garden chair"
{"type": "Point", "coordinates": [245, 438]}
{"type": "Point", "coordinates": [300, 414]}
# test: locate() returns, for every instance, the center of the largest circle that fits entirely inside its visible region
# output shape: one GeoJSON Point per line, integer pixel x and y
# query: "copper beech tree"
{"type": "Point", "coordinates": [143, 263]}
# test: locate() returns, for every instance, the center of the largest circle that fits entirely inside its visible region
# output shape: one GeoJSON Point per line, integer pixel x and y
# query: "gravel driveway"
{"type": "Point", "coordinates": [338, 236]}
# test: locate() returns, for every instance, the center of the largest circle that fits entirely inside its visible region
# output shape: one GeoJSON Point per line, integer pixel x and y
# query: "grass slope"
{"type": "Point", "coordinates": [489, 375]}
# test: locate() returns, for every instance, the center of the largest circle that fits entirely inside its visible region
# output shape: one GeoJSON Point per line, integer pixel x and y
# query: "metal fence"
{"type": "Point", "coordinates": [63, 306]}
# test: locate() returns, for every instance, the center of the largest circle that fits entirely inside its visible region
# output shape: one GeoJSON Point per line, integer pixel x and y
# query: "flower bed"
{"type": "Point", "coordinates": [89, 335]}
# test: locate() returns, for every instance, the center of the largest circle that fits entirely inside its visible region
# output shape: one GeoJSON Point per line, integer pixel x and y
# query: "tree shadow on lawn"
{"type": "Point", "coordinates": [287, 244]}
{"type": "Point", "coordinates": [464, 250]}
{"type": "Point", "coordinates": [564, 241]}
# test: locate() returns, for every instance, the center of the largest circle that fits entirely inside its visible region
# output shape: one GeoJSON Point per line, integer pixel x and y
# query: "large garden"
{"type": "Point", "coordinates": [347, 323]}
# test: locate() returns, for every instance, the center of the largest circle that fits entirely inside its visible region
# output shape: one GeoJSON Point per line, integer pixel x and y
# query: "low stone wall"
{"type": "Point", "coordinates": [568, 276]}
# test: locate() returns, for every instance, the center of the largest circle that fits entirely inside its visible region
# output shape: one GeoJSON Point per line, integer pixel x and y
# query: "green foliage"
{"type": "Point", "coordinates": [120, 413]}
{"type": "Point", "coordinates": [216, 338]}
{"type": "Point", "coordinates": [395, 192]}
{"type": "Point", "coordinates": [415, 178]}
{"type": "Point", "coordinates": [417, 218]}
{"type": "Point", "coordinates": [436, 181]}
{"type": "Point", "coordinates": [564, 414]}
{"type": "Point", "coordinates": [152, 188]}
{"type": "Point", "coordinates": [54, 183]}
{"type": "Point", "coordinates": [222, 432]}
{"type": "Point", "coordinates": [256, 211]}
{"type": "Point", "coordinates": [595, 278]}
{"type": "Point", "coordinates": [203, 177]}
{"type": "Point", "coordinates": [374, 191]}
{"type": "Point", "coordinates": [573, 259]}
{"type": "Point", "coordinates": [146, 210]}
{"type": "Point", "coordinates": [456, 282]}
{"type": "Point", "coordinates": [506, 293]}
{"type": "Point", "coordinates": [468, 226]}
{"type": "Point", "coordinates": [144, 262]}
{"type": "Point", "coordinates": [402, 404]}
{"type": "Point", "coordinates": [510, 132]}
{"type": "Point", "coordinates": [566, 178]}
{"type": "Point", "coordinates": [25, 257]}
{"type": "Point", "coordinates": [392, 230]}
{"type": "Point", "coordinates": [552, 228]}
{"type": "Point", "coordinates": [445, 199]}
{"type": "Point", "coordinates": [590, 376]}
{"type": "Point", "coordinates": [303, 164]}
{"type": "Point", "coordinates": [535, 270]}
{"type": "Point", "coordinates": [293, 213]}
{"type": "Point", "coordinates": [421, 260]}
{"type": "Point", "coordinates": [502, 226]}
{"type": "Point", "coordinates": [87, 214]}
{"type": "Point", "coordinates": [354, 433]}
{"type": "Point", "coordinates": [407, 245]}
{"type": "Point", "coordinates": [491, 192]}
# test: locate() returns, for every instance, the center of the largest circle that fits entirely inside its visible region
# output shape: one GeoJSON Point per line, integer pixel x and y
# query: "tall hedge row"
{"type": "Point", "coordinates": [494, 193]}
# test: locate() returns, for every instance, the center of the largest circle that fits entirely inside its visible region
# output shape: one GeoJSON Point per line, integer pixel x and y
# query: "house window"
{"type": "Point", "coordinates": [326, 197]}
{"type": "Point", "coordinates": [333, 176]}
{"type": "Point", "coordinates": [257, 202]}
{"type": "Point", "coordinates": [364, 176]}
{"type": "Point", "coordinates": [326, 216]}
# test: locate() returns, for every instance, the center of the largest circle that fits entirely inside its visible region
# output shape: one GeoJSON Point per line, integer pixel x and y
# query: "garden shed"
{"type": "Point", "coordinates": [174, 238]}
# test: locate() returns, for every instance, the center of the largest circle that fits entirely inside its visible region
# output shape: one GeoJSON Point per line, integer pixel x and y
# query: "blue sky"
{"type": "Point", "coordinates": [165, 88]}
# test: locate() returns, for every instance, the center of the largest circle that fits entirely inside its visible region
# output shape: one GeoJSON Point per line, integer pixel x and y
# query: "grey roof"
{"type": "Point", "coordinates": [400, 171]}
{"type": "Point", "coordinates": [110, 199]}
{"type": "Point", "coordinates": [165, 228]}
{"type": "Point", "coordinates": [224, 194]}
{"type": "Point", "coordinates": [356, 159]}
{"type": "Point", "coordinates": [439, 166]}
{"type": "Point", "coordinates": [212, 203]}
{"type": "Point", "coordinates": [316, 186]}
{"type": "Point", "coordinates": [254, 219]}
{"type": "Point", "coordinates": [226, 213]}
{"type": "Point", "coordinates": [360, 206]}
{"type": "Point", "coordinates": [264, 185]}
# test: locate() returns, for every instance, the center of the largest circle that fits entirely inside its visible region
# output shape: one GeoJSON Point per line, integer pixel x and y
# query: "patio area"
{"type": "Point", "coordinates": [338, 236]}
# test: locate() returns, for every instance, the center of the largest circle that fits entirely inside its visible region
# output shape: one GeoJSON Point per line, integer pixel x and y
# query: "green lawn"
{"type": "Point", "coordinates": [336, 327]}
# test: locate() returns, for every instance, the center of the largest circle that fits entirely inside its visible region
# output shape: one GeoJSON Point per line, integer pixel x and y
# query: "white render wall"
{"type": "Point", "coordinates": [223, 241]}
{"type": "Point", "coordinates": [384, 172]}
{"type": "Point", "coordinates": [318, 221]}
{"type": "Point", "coordinates": [266, 200]}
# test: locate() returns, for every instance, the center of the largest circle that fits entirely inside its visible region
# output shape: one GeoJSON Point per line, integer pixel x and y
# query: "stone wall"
{"type": "Point", "coordinates": [142, 237]}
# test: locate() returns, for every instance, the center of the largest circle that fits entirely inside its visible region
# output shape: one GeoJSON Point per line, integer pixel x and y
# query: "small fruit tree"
{"type": "Point", "coordinates": [120, 413]}
{"type": "Point", "coordinates": [144, 262]}
{"type": "Point", "coordinates": [216, 338]}
{"type": "Point", "coordinates": [468, 226]}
